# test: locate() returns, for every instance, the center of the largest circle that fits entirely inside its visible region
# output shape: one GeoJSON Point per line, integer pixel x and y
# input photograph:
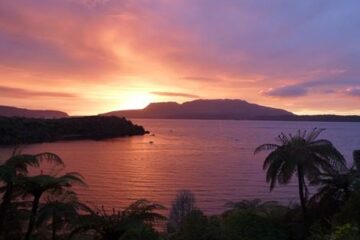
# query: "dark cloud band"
{"type": "Point", "coordinates": [175, 94]}
{"type": "Point", "coordinates": [353, 91]}
{"type": "Point", "coordinates": [20, 92]}
{"type": "Point", "coordinates": [287, 91]}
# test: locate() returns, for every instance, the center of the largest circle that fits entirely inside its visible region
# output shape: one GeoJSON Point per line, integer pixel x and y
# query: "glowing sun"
{"type": "Point", "coordinates": [136, 100]}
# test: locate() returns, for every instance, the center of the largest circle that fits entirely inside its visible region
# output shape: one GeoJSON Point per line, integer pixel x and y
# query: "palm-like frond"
{"type": "Point", "coordinates": [301, 148]}
{"type": "Point", "coordinates": [116, 224]}
{"type": "Point", "coordinates": [18, 164]}
{"type": "Point", "coordinates": [72, 178]}
{"type": "Point", "coordinates": [283, 138]}
{"type": "Point", "coordinates": [273, 163]}
{"type": "Point", "coordinates": [23, 161]}
{"type": "Point", "coordinates": [41, 183]}
{"type": "Point", "coordinates": [287, 170]}
{"type": "Point", "coordinates": [335, 187]}
{"type": "Point", "coordinates": [50, 209]}
{"type": "Point", "coordinates": [304, 155]}
{"type": "Point", "coordinates": [266, 147]}
{"type": "Point", "coordinates": [145, 211]}
{"type": "Point", "coordinates": [38, 185]}
{"type": "Point", "coordinates": [326, 151]}
{"type": "Point", "coordinates": [314, 134]}
{"type": "Point", "coordinates": [49, 157]}
{"type": "Point", "coordinates": [312, 170]}
{"type": "Point", "coordinates": [63, 209]}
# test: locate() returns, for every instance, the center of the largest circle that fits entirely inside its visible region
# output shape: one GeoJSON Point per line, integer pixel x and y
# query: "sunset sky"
{"type": "Point", "coordinates": [93, 56]}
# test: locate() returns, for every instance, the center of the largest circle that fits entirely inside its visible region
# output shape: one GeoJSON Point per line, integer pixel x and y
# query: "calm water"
{"type": "Point", "coordinates": [212, 158]}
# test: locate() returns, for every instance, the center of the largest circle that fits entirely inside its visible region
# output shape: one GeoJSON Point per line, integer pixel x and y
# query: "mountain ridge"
{"type": "Point", "coordinates": [173, 110]}
{"type": "Point", "coordinates": [203, 109]}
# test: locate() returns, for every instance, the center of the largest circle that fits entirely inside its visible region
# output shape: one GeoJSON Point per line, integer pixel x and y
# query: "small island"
{"type": "Point", "coordinates": [18, 130]}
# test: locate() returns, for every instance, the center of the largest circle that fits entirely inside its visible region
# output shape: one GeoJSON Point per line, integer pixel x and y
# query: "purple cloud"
{"type": "Point", "coordinates": [201, 79]}
{"type": "Point", "coordinates": [10, 92]}
{"type": "Point", "coordinates": [353, 91]}
{"type": "Point", "coordinates": [286, 91]}
{"type": "Point", "coordinates": [175, 94]}
{"type": "Point", "coordinates": [223, 48]}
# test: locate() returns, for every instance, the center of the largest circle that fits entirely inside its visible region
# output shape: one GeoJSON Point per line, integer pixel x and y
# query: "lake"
{"type": "Point", "coordinates": [212, 158]}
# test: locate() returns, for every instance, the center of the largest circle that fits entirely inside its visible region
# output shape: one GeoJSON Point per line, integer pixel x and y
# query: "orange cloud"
{"type": "Point", "coordinates": [102, 51]}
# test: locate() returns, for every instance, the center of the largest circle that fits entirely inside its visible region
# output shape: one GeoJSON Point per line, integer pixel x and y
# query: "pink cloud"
{"type": "Point", "coordinates": [226, 49]}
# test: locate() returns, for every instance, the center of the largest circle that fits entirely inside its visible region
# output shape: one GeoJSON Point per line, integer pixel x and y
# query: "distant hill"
{"type": "Point", "coordinates": [204, 109]}
{"type": "Point", "coordinates": [8, 111]}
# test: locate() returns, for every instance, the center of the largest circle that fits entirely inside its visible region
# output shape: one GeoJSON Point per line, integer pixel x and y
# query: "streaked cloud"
{"type": "Point", "coordinates": [306, 51]}
{"type": "Point", "coordinates": [286, 91]}
{"type": "Point", "coordinates": [201, 79]}
{"type": "Point", "coordinates": [175, 94]}
{"type": "Point", "coordinates": [353, 91]}
{"type": "Point", "coordinates": [10, 92]}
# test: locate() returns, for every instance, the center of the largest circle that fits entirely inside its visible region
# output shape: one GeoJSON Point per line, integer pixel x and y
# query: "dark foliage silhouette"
{"type": "Point", "coordinates": [303, 155]}
{"type": "Point", "coordinates": [16, 166]}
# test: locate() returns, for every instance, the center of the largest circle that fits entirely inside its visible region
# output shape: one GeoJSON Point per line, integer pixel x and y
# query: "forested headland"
{"type": "Point", "coordinates": [15, 130]}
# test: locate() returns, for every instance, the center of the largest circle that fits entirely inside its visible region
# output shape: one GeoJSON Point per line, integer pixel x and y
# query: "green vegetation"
{"type": "Point", "coordinates": [14, 130]}
{"type": "Point", "coordinates": [46, 207]}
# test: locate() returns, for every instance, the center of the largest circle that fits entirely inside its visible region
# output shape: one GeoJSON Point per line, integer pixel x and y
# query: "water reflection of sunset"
{"type": "Point", "coordinates": [184, 154]}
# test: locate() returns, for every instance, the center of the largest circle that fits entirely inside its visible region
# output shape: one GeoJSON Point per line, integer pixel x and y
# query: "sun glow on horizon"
{"type": "Point", "coordinates": [136, 100]}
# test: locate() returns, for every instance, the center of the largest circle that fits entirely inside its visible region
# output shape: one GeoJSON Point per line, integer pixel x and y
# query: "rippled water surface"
{"type": "Point", "coordinates": [212, 158]}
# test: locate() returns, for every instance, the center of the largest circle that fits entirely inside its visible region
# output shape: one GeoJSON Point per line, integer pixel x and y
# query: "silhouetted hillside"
{"type": "Point", "coordinates": [203, 109]}
{"type": "Point", "coordinates": [8, 111]}
{"type": "Point", "coordinates": [14, 130]}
